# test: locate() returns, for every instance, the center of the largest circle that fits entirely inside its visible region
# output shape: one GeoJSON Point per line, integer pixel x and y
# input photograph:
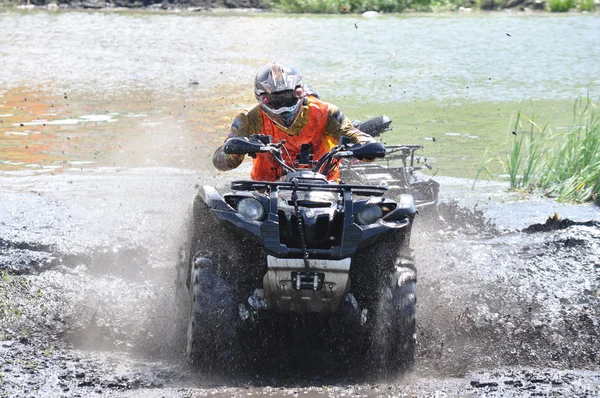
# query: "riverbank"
{"type": "Point", "coordinates": [367, 8]}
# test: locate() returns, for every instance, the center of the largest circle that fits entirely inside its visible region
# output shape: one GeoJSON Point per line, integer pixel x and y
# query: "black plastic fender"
{"type": "Point", "coordinates": [223, 212]}
{"type": "Point", "coordinates": [213, 199]}
{"type": "Point", "coordinates": [406, 208]}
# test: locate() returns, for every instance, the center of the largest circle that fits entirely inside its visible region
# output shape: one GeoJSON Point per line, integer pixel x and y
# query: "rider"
{"type": "Point", "coordinates": [287, 110]}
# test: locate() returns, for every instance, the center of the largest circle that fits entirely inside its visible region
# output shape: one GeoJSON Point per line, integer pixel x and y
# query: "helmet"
{"type": "Point", "coordinates": [278, 89]}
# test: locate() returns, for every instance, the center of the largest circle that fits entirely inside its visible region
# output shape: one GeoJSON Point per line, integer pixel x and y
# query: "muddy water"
{"type": "Point", "coordinates": [500, 311]}
{"type": "Point", "coordinates": [101, 150]}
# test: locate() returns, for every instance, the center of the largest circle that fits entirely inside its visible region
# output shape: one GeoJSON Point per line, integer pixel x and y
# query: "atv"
{"type": "Point", "coordinates": [400, 170]}
{"type": "Point", "coordinates": [304, 248]}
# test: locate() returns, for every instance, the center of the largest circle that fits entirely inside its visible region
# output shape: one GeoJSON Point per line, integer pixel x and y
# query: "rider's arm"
{"type": "Point", "coordinates": [339, 125]}
{"type": "Point", "coordinates": [244, 124]}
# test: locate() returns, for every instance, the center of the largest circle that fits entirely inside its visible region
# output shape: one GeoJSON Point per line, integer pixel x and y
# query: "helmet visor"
{"type": "Point", "coordinates": [281, 99]}
{"type": "Point", "coordinates": [284, 116]}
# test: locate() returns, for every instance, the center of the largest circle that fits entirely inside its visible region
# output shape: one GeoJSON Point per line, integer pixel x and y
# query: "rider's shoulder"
{"type": "Point", "coordinates": [314, 102]}
{"type": "Point", "coordinates": [249, 114]}
{"type": "Point", "coordinates": [247, 121]}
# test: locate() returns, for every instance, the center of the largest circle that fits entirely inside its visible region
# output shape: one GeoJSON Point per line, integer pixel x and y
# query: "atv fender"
{"type": "Point", "coordinates": [406, 208]}
{"type": "Point", "coordinates": [213, 199]}
{"type": "Point", "coordinates": [223, 212]}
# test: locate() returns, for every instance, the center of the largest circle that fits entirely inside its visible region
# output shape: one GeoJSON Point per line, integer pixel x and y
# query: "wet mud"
{"type": "Point", "coordinates": [87, 303]}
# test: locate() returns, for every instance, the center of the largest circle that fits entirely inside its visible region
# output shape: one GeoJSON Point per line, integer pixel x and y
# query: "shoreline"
{"type": "Point", "coordinates": [187, 7]}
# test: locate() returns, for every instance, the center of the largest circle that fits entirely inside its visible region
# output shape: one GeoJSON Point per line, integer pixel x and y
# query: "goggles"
{"type": "Point", "coordinates": [282, 99]}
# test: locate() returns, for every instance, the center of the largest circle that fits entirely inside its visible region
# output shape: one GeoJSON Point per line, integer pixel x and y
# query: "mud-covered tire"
{"type": "Point", "coordinates": [393, 334]}
{"type": "Point", "coordinates": [212, 340]}
{"type": "Point", "coordinates": [221, 272]}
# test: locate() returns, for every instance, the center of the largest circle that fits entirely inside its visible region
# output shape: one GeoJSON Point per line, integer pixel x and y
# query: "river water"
{"type": "Point", "coordinates": [111, 88]}
{"type": "Point", "coordinates": [501, 57]}
{"type": "Point", "coordinates": [123, 86]}
{"type": "Point", "coordinates": [107, 123]}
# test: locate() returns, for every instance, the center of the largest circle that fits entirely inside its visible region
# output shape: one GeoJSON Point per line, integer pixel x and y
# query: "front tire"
{"type": "Point", "coordinates": [212, 340]}
{"type": "Point", "coordinates": [393, 337]}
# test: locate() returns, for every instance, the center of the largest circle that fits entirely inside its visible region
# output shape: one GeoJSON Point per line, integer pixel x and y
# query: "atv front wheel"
{"type": "Point", "coordinates": [212, 341]}
{"type": "Point", "coordinates": [393, 337]}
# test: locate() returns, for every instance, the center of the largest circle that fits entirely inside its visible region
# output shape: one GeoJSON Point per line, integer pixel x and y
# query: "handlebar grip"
{"type": "Point", "coordinates": [242, 146]}
{"type": "Point", "coordinates": [234, 150]}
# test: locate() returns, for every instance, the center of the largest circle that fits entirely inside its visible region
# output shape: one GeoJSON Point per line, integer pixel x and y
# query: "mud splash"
{"type": "Point", "coordinates": [88, 297]}
{"type": "Point", "coordinates": [511, 298]}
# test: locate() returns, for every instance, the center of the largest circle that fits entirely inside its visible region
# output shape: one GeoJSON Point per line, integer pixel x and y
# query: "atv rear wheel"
{"type": "Point", "coordinates": [212, 339]}
{"type": "Point", "coordinates": [393, 336]}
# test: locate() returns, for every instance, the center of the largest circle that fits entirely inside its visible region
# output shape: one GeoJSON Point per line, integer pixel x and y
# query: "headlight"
{"type": "Point", "coordinates": [250, 209]}
{"type": "Point", "coordinates": [406, 201]}
{"type": "Point", "coordinates": [368, 214]}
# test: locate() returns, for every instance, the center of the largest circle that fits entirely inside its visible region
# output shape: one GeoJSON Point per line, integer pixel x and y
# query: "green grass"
{"type": "Point", "coordinates": [564, 164]}
{"type": "Point", "coordinates": [396, 6]}
{"type": "Point", "coordinates": [561, 5]}
{"type": "Point", "coordinates": [9, 310]}
{"type": "Point", "coordinates": [586, 5]}
{"type": "Point", "coordinates": [522, 163]}
{"type": "Point", "coordinates": [351, 6]}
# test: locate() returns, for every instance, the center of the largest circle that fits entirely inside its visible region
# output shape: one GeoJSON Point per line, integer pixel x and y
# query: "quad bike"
{"type": "Point", "coordinates": [302, 247]}
{"type": "Point", "coordinates": [400, 170]}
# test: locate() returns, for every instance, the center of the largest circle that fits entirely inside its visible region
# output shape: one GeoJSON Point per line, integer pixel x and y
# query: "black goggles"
{"type": "Point", "coordinates": [283, 99]}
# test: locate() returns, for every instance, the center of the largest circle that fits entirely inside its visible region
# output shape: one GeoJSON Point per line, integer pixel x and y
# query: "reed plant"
{"type": "Point", "coordinates": [564, 165]}
{"type": "Point", "coordinates": [525, 159]}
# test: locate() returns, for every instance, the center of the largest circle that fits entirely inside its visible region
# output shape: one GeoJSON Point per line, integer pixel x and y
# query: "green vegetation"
{"type": "Point", "coordinates": [586, 5]}
{"type": "Point", "coordinates": [359, 6]}
{"type": "Point", "coordinates": [352, 6]}
{"type": "Point", "coordinates": [11, 310]}
{"type": "Point", "coordinates": [565, 165]}
{"type": "Point", "coordinates": [556, 149]}
{"type": "Point", "coordinates": [390, 6]}
{"type": "Point", "coordinates": [566, 5]}
{"type": "Point", "coordinates": [561, 5]}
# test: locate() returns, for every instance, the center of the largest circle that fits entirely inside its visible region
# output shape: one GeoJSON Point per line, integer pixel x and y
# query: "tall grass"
{"type": "Point", "coordinates": [524, 161]}
{"type": "Point", "coordinates": [564, 165]}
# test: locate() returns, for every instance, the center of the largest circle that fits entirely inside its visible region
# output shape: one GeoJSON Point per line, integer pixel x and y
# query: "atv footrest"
{"type": "Point", "coordinates": [307, 280]}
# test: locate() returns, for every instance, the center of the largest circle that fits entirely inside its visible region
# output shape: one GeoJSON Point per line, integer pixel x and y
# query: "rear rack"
{"type": "Point", "coordinates": [262, 186]}
{"type": "Point", "coordinates": [407, 152]}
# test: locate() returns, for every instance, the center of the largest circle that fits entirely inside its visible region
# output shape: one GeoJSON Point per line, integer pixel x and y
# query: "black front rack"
{"type": "Point", "coordinates": [263, 186]}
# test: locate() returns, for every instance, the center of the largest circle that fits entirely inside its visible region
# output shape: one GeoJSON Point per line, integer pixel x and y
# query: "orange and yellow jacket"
{"type": "Point", "coordinates": [319, 123]}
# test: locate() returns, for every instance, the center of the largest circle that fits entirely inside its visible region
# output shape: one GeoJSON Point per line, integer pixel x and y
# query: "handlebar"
{"type": "Point", "coordinates": [263, 144]}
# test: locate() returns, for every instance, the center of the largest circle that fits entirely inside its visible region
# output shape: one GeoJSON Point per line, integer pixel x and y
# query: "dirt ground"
{"type": "Point", "coordinates": [87, 305]}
